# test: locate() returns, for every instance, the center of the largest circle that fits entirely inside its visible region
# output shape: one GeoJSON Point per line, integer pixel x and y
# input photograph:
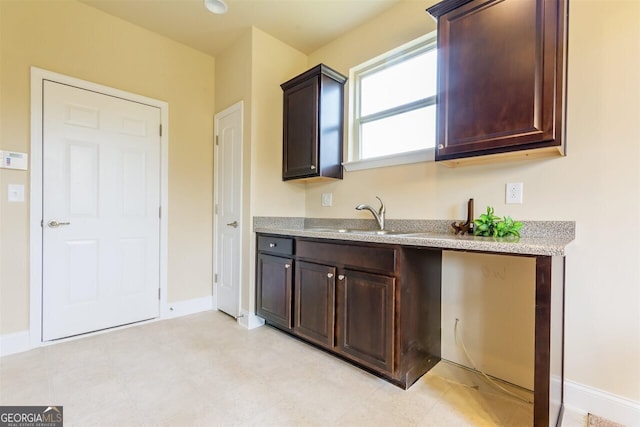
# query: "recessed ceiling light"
{"type": "Point", "coordinates": [216, 6]}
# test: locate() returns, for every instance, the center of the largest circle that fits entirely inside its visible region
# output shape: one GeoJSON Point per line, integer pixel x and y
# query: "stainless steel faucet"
{"type": "Point", "coordinates": [379, 215]}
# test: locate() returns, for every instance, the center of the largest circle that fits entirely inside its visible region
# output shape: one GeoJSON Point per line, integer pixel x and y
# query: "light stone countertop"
{"type": "Point", "coordinates": [546, 238]}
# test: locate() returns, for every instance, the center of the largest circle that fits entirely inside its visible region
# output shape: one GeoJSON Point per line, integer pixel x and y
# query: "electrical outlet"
{"type": "Point", "coordinates": [327, 199]}
{"type": "Point", "coordinates": [514, 193]}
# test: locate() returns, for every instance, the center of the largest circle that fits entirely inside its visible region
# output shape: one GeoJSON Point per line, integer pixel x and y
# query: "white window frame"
{"type": "Point", "coordinates": [407, 50]}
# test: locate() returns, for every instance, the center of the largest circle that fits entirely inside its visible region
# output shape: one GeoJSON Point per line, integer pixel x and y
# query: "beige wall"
{"type": "Point", "coordinates": [73, 39]}
{"type": "Point", "coordinates": [597, 185]}
{"type": "Point", "coordinates": [273, 63]}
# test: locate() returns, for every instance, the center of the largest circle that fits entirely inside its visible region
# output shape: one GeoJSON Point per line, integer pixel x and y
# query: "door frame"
{"type": "Point", "coordinates": [216, 177]}
{"type": "Point", "coordinates": [38, 75]}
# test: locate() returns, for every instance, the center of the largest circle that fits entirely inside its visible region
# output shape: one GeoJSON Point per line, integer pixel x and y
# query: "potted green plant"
{"type": "Point", "coordinates": [491, 225]}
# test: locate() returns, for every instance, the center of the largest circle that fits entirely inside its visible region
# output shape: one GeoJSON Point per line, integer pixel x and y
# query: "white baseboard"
{"type": "Point", "coordinates": [250, 320]}
{"type": "Point", "coordinates": [14, 343]}
{"type": "Point", "coordinates": [191, 306]}
{"type": "Point", "coordinates": [586, 399]}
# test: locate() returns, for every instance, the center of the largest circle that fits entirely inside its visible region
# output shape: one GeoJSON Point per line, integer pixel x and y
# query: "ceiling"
{"type": "Point", "coordinates": [303, 24]}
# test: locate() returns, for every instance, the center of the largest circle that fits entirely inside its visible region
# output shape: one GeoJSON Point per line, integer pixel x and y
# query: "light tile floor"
{"type": "Point", "coordinates": [205, 370]}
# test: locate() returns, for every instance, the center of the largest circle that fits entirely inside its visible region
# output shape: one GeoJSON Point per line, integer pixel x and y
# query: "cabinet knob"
{"type": "Point", "coordinates": [440, 146]}
{"type": "Point", "coordinates": [329, 275]}
{"type": "Point", "coordinates": [272, 245]}
{"type": "Point", "coordinates": [313, 167]}
{"type": "Point", "coordinates": [341, 277]}
{"type": "Point", "coordinates": [287, 266]}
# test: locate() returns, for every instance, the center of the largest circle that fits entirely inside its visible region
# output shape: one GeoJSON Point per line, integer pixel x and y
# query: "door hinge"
{"type": "Point", "coordinates": [158, 293]}
{"type": "Point", "coordinates": [215, 278]}
{"type": "Point", "coordinates": [160, 129]}
{"type": "Point", "coordinates": [41, 223]}
{"type": "Point", "coordinates": [160, 212]}
{"type": "Point", "coordinates": [215, 209]}
{"type": "Point", "coordinates": [217, 143]}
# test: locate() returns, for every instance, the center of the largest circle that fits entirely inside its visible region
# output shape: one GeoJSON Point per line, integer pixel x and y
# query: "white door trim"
{"type": "Point", "coordinates": [38, 75]}
{"type": "Point", "coordinates": [239, 106]}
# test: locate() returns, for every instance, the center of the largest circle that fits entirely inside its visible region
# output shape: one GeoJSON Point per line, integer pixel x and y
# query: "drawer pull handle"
{"type": "Point", "coordinates": [313, 167]}
{"type": "Point", "coordinates": [287, 266]}
{"type": "Point", "coordinates": [329, 275]}
{"type": "Point", "coordinates": [341, 277]}
{"type": "Point", "coordinates": [272, 245]}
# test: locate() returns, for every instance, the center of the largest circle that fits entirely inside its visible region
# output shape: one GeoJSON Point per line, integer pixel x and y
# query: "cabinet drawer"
{"type": "Point", "coordinates": [373, 258]}
{"type": "Point", "coordinates": [276, 245]}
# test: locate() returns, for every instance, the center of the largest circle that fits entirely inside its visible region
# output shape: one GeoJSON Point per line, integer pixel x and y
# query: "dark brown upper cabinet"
{"type": "Point", "coordinates": [313, 125]}
{"type": "Point", "coordinates": [501, 79]}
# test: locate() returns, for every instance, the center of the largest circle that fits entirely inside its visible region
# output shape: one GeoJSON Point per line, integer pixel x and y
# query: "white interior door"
{"type": "Point", "coordinates": [228, 200]}
{"type": "Point", "coordinates": [101, 199]}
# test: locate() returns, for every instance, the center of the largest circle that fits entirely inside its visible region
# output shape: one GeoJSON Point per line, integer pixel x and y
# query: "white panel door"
{"type": "Point", "coordinates": [228, 201]}
{"type": "Point", "coordinates": [101, 199]}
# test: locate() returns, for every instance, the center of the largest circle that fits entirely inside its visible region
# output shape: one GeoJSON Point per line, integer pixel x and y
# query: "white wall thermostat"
{"type": "Point", "coordinates": [14, 160]}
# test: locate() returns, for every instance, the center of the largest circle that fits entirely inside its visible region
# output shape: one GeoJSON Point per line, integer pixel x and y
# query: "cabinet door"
{"type": "Point", "coordinates": [300, 154]}
{"type": "Point", "coordinates": [365, 316]}
{"type": "Point", "coordinates": [273, 289]}
{"type": "Point", "coordinates": [315, 302]}
{"type": "Point", "coordinates": [500, 77]}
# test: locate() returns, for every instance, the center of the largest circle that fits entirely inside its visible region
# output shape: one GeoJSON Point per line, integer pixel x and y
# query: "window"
{"type": "Point", "coordinates": [393, 107]}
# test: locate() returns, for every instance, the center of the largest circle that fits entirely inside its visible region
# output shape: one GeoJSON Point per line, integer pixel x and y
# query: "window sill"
{"type": "Point", "coordinates": [417, 156]}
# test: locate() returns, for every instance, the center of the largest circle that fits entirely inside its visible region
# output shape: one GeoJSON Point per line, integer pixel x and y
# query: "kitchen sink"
{"type": "Point", "coordinates": [328, 230]}
{"type": "Point", "coordinates": [378, 232]}
{"type": "Point", "coordinates": [368, 232]}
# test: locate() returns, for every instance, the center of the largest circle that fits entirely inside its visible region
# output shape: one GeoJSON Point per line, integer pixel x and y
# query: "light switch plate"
{"type": "Point", "coordinates": [327, 199]}
{"type": "Point", "coordinates": [16, 193]}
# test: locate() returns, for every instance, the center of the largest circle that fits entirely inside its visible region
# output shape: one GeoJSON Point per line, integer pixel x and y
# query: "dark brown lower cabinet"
{"type": "Point", "coordinates": [375, 305]}
{"type": "Point", "coordinates": [365, 318]}
{"type": "Point", "coordinates": [315, 302]}
{"type": "Point", "coordinates": [273, 299]}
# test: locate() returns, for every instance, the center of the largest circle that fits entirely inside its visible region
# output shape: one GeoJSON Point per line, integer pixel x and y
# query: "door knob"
{"type": "Point", "coordinates": [55, 224]}
{"type": "Point", "coordinates": [233, 224]}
